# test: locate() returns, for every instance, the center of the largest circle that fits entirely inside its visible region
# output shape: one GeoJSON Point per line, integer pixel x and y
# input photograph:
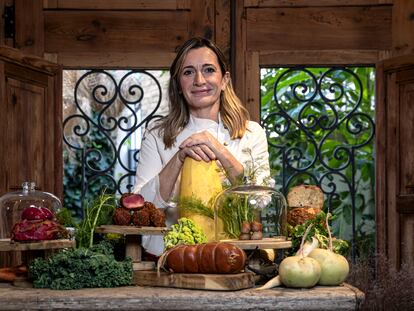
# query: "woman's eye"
{"type": "Point", "coordinates": [187, 72]}
{"type": "Point", "coordinates": [210, 70]}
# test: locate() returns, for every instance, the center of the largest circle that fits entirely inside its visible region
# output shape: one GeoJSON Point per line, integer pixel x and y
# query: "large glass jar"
{"type": "Point", "coordinates": [12, 205]}
{"type": "Point", "coordinates": [241, 210]}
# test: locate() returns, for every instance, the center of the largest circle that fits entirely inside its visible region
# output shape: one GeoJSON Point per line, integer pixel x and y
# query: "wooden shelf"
{"type": "Point", "coordinates": [130, 230]}
{"type": "Point", "coordinates": [7, 245]}
{"type": "Point", "coordinates": [265, 243]}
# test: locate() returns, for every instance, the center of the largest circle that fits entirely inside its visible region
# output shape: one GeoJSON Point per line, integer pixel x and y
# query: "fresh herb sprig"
{"type": "Point", "coordinates": [96, 212]}
{"type": "Point", "coordinates": [195, 205]}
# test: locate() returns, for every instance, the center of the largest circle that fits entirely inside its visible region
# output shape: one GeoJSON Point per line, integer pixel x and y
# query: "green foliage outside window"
{"type": "Point", "coordinates": [347, 134]}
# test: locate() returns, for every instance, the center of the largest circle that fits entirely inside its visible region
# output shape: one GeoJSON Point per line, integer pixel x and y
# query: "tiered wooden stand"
{"type": "Point", "coordinates": [265, 243]}
{"type": "Point", "coordinates": [133, 238]}
{"type": "Point", "coordinates": [31, 250]}
{"type": "Point", "coordinates": [6, 245]}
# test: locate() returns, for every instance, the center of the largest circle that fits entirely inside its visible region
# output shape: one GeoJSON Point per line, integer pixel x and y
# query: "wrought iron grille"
{"type": "Point", "coordinates": [317, 132]}
{"type": "Point", "coordinates": [102, 132]}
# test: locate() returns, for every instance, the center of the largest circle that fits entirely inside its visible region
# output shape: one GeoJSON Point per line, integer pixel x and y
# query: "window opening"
{"type": "Point", "coordinates": [105, 113]}
{"type": "Point", "coordinates": [320, 128]}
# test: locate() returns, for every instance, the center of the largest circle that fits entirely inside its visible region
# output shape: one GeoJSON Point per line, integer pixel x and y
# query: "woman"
{"type": "Point", "coordinates": [206, 121]}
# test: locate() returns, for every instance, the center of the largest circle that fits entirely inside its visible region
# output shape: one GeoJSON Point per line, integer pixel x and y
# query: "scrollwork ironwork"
{"type": "Point", "coordinates": [311, 110]}
{"type": "Point", "coordinates": [111, 108]}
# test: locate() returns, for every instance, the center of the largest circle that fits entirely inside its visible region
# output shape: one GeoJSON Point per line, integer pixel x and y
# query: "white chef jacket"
{"type": "Point", "coordinates": [154, 156]}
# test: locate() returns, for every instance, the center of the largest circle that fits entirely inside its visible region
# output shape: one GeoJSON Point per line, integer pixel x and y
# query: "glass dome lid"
{"type": "Point", "coordinates": [250, 212]}
{"type": "Point", "coordinates": [12, 205]}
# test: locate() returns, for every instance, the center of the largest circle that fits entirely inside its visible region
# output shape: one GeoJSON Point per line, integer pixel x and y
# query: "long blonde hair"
{"type": "Point", "coordinates": [233, 114]}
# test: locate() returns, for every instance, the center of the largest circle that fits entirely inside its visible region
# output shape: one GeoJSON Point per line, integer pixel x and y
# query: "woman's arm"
{"type": "Point", "coordinates": [209, 148]}
{"type": "Point", "coordinates": [257, 142]}
{"type": "Point", "coordinates": [155, 182]}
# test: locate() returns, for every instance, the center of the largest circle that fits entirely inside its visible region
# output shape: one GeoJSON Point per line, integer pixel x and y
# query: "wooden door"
{"type": "Point", "coordinates": [30, 130]}
{"type": "Point", "coordinates": [395, 160]}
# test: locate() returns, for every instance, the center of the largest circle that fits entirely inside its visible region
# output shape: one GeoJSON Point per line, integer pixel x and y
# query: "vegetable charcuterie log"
{"type": "Point", "coordinates": [200, 181]}
{"type": "Point", "coordinates": [214, 258]}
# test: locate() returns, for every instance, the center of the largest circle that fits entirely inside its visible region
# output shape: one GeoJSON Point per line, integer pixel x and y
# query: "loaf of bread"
{"type": "Point", "coordinates": [305, 195]}
{"type": "Point", "coordinates": [214, 257]}
{"type": "Point", "coordinates": [305, 202]}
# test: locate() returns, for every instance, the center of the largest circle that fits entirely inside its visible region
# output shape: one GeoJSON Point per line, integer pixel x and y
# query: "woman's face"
{"type": "Point", "coordinates": [201, 82]}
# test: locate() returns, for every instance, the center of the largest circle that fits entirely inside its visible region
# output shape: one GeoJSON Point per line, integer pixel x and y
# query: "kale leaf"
{"type": "Point", "coordinates": [81, 268]}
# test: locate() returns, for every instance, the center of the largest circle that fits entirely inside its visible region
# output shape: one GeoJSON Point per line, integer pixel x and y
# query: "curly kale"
{"type": "Point", "coordinates": [81, 268]}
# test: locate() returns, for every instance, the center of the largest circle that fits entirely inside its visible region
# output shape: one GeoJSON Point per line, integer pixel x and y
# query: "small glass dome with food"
{"type": "Point", "coordinates": [250, 212]}
{"type": "Point", "coordinates": [38, 203]}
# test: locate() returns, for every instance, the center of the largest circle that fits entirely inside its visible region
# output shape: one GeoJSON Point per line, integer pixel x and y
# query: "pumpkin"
{"type": "Point", "coordinates": [200, 179]}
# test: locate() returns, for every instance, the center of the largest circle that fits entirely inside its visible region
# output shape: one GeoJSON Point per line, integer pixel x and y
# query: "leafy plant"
{"type": "Point", "coordinates": [81, 268]}
{"type": "Point", "coordinates": [320, 232]}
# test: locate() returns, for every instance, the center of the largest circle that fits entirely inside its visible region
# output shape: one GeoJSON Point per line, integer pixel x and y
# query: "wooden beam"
{"type": "Point", "coordinates": [113, 60]}
{"type": "Point", "coordinates": [253, 85]}
{"type": "Point", "coordinates": [346, 28]}
{"type": "Point", "coordinates": [117, 4]}
{"type": "Point", "coordinates": [403, 27]}
{"type": "Point", "coordinates": [29, 26]}
{"type": "Point", "coordinates": [240, 48]}
{"type": "Point", "coordinates": [222, 26]}
{"type": "Point", "coordinates": [114, 31]}
{"type": "Point", "coordinates": [319, 57]}
{"type": "Point", "coordinates": [313, 3]}
{"type": "Point", "coordinates": [201, 22]}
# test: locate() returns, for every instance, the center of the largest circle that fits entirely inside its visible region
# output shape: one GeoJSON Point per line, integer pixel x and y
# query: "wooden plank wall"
{"type": "Point", "coordinates": [309, 33]}
{"type": "Point", "coordinates": [146, 33]}
{"type": "Point", "coordinates": [329, 32]}
{"type": "Point", "coordinates": [116, 33]}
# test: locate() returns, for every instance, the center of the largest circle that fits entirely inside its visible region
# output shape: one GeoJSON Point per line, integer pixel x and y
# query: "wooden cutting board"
{"type": "Point", "coordinates": [195, 281]}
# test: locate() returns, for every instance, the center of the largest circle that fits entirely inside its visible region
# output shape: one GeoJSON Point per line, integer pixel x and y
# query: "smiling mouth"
{"type": "Point", "coordinates": [200, 92]}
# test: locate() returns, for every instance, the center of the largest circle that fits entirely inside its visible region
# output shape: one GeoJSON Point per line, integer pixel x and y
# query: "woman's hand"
{"type": "Point", "coordinates": [197, 152]}
{"type": "Point", "coordinates": [202, 146]}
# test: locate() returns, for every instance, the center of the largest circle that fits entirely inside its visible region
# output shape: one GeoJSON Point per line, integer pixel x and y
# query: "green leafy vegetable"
{"type": "Point", "coordinates": [184, 232]}
{"type": "Point", "coordinates": [320, 232]}
{"type": "Point", "coordinates": [81, 268]}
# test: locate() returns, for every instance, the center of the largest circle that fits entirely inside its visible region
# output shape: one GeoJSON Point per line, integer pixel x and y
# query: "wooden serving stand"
{"type": "Point", "coordinates": [133, 240]}
{"type": "Point", "coordinates": [6, 245]}
{"type": "Point", "coordinates": [31, 250]}
{"type": "Point", "coordinates": [265, 243]}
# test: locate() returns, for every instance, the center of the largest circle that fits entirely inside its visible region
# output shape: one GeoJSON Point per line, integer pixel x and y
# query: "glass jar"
{"type": "Point", "coordinates": [12, 205]}
{"type": "Point", "coordinates": [241, 210]}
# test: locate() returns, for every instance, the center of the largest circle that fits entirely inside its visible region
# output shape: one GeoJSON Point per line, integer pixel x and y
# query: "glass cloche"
{"type": "Point", "coordinates": [12, 205]}
{"type": "Point", "coordinates": [250, 212]}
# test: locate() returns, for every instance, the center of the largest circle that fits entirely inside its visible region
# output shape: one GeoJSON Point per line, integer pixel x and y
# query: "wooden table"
{"type": "Point", "coordinates": [335, 298]}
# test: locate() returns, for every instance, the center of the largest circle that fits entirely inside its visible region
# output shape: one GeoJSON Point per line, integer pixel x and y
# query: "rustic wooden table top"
{"type": "Point", "coordinates": [343, 297]}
